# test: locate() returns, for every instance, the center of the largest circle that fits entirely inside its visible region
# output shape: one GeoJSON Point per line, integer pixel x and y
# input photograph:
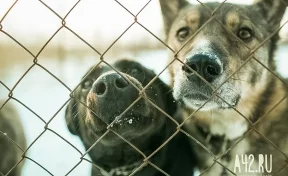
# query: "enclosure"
{"type": "Point", "coordinates": [47, 46]}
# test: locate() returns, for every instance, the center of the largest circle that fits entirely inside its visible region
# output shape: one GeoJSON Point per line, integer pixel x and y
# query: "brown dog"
{"type": "Point", "coordinates": [10, 154]}
{"type": "Point", "coordinates": [213, 46]}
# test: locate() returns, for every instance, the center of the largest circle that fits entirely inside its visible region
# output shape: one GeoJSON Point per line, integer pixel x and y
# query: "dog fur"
{"type": "Point", "coordinates": [10, 154]}
{"type": "Point", "coordinates": [253, 90]}
{"type": "Point", "coordinates": [143, 125]}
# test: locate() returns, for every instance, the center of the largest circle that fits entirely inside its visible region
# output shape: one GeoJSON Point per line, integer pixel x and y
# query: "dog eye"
{"type": "Point", "coordinates": [244, 33]}
{"type": "Point", "coordinates": [134, 71]}
{"type": "Point", "coordinates": [87, 84]}
{"type": "Point", "coordinates": [183, 33]}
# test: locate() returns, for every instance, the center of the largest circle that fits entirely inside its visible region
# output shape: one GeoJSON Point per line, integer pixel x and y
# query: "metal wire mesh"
{"type": "Point", "coordinates": [146, 160]}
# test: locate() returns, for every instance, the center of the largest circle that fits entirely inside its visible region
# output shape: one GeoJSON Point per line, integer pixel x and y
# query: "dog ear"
{"type": "Point", "coordinates": [71, 117]}
{"type": "Point", "coordinates": [272, 10]}
{"type": "Point", "coordinates": [170, 9]}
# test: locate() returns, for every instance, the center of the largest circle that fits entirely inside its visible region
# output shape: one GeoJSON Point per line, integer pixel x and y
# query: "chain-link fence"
{"type": "Point", "coordinates": [146, 159]}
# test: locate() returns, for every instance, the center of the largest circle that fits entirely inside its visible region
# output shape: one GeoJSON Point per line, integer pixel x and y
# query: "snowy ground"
{"type": "Point", "coordinates": [44, 95]}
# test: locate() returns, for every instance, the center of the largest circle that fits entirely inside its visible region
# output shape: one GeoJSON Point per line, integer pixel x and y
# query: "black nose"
{"type": "Point", "coordinates": [207, 66]}
{"type": "Point", "coordinates": [112, 81]}
{"type": "Point", "coordinates": [113, 94]}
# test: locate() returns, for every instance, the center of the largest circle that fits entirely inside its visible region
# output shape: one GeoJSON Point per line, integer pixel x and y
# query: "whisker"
{"type": "Point", "coordinates": [80, 120]}
{"type": "Point", "coordinates": [171, 90]}
{"type": "Point", "coordinates": [237, 79]}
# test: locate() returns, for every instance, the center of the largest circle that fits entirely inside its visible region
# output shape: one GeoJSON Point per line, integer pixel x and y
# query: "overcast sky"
{"type": "Point", "coordinates": [31, 22]}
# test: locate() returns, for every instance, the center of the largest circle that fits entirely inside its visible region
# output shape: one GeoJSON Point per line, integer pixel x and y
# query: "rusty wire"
{"type": "Point", "coordinates": [179, 129]}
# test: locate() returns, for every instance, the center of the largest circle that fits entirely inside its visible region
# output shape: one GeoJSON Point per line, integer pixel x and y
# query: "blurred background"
{"type": "Point", "coordinates": [100, 23]}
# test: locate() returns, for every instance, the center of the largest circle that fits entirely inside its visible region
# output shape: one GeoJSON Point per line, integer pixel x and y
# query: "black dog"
{"type": "Point", "coordinates": [108, 94]}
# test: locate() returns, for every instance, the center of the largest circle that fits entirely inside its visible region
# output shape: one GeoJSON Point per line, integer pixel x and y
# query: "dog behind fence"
{"type": "Point", "coordinates": [179, 126]}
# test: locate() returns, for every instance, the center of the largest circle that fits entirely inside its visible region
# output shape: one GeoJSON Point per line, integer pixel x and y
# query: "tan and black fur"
{"type": "Point", "coordinates": [225, 40]}
{"type": "Point", "coordinates": [10, 154]}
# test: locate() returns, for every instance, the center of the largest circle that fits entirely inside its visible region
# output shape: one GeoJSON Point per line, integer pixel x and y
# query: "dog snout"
{"type": "Point", "coordinates": [113, 82]}
{"type": "Point", "coordinates": [112, 94]}
{"type": "Point", "coordinates": [207, 66]}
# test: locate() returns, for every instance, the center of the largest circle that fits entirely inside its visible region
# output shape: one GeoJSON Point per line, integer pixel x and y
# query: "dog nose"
{"type": "Point", "coordinates": [111, 89]}
{"type": "Point", "coordinates": [207, 66]}
{"type": "Point", "coordinates": [112, 81]}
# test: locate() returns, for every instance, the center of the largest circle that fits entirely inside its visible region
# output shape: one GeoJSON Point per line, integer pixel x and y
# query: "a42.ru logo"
{"type": "Point", "coordinates": [250, 164]}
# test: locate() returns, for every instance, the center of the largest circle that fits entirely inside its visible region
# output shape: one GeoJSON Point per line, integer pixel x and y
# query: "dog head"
{"type": "Point", "coordinates": [107, 95]}
{"type": "Point", "coordinates": [215, 45]}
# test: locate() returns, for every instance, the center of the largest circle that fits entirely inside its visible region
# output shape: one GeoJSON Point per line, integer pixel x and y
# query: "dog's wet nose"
{"type": "Point", "coordinates": [111, 81]}
{"type": "Point", "coordinates": [120, 82]}
{"type": "Point", "coordinates": [111, 90]}
{"type": "Point", "coordinates": [207, 66]}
